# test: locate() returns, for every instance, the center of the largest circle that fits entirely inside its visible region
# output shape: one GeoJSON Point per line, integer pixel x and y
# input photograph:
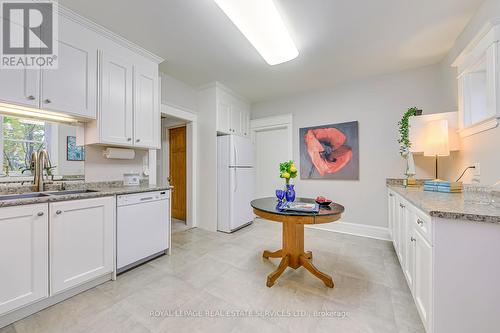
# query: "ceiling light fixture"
{"type": "Point", "coordinates": [260, 22]}
{"type": "Point", "coordinates": [32, 113]}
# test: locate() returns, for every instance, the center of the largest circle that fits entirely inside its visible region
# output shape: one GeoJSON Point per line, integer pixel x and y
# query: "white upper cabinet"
{"type": "Point", "coordinates": [20, 87]}
{"type": "Point", "coordinates": [72, 87]}
{"type": "Point", "coordinates": [233, 113]}
{"type": "Point", "coordinates": [116, 109]}
{"type": "Point", "coordinates": [223, 117]}
{"type": "Point", "coordinates": [23, 255]}
{"type": "Point", "coordinates": [146, 107]}
{"type": "Point", "coordinates": [81, 241]}
{"type": "Point", "coordinates": [101, 79]}
{"type": "Point", "coordinates": [479, 82]}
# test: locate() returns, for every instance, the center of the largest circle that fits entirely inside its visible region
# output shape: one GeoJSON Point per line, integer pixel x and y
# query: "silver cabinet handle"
{"type": "Point", "coordinates": [391, 195]}
{"type": "Point", "coordinates": [40, 214]}
{"type": "Point", "coordinates": [47, 101]}
{"type": "Point", "coordinates": [138, 140]}
{"type": "Point", "coordinates": [413, 239]}
{"type": "Point", "coordinates": [58, 212]}
{"type": "Point", "coordinates": [420, 222]}
{"type": "Point", "coordinates": [401, 205]}
{"type": "Point", "coordinates": [30, 97]}
{"type": "Point", "coordinates": [129, 139]}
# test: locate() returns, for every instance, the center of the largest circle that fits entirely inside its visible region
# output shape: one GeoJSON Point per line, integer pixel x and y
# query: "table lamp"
{"type": "Point", "coordinates": [436, 141]}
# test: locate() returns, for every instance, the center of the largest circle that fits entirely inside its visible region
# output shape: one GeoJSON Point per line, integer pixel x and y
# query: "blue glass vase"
{"type": "Point", "coordinates": [290, 193]}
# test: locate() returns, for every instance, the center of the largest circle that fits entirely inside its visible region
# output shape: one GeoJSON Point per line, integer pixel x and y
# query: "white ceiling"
{"type": "Point", "coordinates": [338, 40]}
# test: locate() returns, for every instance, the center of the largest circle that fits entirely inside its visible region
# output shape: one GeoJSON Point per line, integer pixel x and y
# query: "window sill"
{"type": "Point", "coordinates": [482, 126]}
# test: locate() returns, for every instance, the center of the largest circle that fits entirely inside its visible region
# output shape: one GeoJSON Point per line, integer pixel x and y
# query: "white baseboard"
{"type": "Point", "coordinates": [356, 229]}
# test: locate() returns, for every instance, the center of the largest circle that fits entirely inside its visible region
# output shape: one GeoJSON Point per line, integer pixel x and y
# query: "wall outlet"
{"type": "Point", "coordinates": [477, 169]}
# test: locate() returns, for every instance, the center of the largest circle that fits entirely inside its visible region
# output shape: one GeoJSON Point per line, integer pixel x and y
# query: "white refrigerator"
{"type": "Point", "coordinates": [235, 182]}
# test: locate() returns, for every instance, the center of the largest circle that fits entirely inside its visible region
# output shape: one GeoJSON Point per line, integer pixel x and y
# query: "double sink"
{"type": "Point", "coordinates": [42, 194]}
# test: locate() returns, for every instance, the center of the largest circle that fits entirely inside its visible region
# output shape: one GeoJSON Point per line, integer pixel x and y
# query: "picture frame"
{"type": "Point", "coordinates": [74, 152]}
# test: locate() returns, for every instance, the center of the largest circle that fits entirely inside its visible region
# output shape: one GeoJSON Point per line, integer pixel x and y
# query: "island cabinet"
{"type": "Point", "coordinates": [81, 241]}
{"type": "Point", "coordinates": [448, 265]}
{"type": "Point", "coordinates": [23, 256]}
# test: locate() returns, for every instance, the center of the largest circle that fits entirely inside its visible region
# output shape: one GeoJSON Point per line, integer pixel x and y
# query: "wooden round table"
{"type": "Point", "coordinates": [292, 252]}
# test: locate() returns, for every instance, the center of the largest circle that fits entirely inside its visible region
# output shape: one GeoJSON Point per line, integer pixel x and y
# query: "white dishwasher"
{"type": "Point", "coordinates": [143, 228]}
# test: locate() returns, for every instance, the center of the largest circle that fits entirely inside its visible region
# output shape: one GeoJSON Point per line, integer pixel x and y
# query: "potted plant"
{"type": "Point", "coordinates": [404, 140]}
{"type": "Point", "coordinates": [288, 171]}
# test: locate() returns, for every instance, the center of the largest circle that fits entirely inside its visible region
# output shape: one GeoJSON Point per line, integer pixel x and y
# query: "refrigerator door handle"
{"type": "Point", "coordinates": [235, 156]}
{"type": "Point", "coordinates": [235, 179]}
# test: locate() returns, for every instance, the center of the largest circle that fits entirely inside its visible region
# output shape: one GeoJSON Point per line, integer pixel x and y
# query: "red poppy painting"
{"type": "Point", "coordinates": [330, 152]}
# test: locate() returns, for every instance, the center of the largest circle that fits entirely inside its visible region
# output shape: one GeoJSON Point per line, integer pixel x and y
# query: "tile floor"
{"type": "Point", "coordinates": [220, 272]}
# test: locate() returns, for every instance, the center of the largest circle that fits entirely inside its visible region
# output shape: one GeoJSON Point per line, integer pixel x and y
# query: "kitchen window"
{"type": "Point", "coordinates": [478, 82]}
{"type": "Point", "coordinates": [18, 139]}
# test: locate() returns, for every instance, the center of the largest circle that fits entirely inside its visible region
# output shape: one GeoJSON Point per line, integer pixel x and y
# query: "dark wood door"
{"type": "Point", "coordinates": [177, 143]}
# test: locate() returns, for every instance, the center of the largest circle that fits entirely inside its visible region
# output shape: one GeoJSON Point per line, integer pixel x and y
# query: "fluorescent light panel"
{"type": "Point", "coordinates": [32, 113]}
{"type": "Point", "coordinates": [262, 25]}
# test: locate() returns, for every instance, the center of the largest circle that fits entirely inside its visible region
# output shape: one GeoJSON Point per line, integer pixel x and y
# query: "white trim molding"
{"type": "Point", "coordinates": [176, 111]}
{"type": "Point", "coordinates": [479, 127]}
{"type": "Point", "coordinates": [75, 17]}
{"type": "Point", "coordinates": [355, 229]}
{"type": "Point", "coordinates": [191, 123]}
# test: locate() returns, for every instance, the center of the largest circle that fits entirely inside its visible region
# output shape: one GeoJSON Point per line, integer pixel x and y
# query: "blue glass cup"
{"type": "Point", "coordinates": [280, 194]}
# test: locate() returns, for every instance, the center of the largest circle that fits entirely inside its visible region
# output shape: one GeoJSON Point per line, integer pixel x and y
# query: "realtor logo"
{"type": "Point", "coordinates": [28, 34]}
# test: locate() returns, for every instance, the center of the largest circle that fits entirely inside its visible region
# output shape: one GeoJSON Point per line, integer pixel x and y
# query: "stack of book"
{"type": "Point", "coordinates": [443, 186]}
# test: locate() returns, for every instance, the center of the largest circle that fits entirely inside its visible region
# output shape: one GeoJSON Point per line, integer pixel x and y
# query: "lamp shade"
{"type": "Point", "coordinates": [436, 141]}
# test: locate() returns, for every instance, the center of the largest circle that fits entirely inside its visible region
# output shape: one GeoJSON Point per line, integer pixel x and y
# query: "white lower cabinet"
{"type": "Point", "coordinates": [414, 252]}
{"type": "Point", "coordinates": [82, 241]}
{"type": "Point", "coordinates": [422, 276]}
{"type": "Point", "coordinates": [23, 256]}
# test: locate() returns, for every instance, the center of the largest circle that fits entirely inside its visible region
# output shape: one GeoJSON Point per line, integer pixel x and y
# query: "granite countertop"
{"type": "Point", "coordinates": [104, 189]}
{"type": "Point", "coordinates": [447, 205]}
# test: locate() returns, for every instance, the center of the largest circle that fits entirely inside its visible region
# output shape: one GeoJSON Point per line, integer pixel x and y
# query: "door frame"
{"type": "Point", "coordinates": [191, 123]}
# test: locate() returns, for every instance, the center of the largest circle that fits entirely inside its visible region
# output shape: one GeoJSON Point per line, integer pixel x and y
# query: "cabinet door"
{"type": "Point", "coordinates": [423, 278]}
{"type": "Point", "coordinates": [391, 212]}
{"type": "Point", "coordinates": [236, 114]}
{"type": "Point", "coordinates": [245, 124]}
{"type": "Point", "coordinates": [146, 107]}
{"type": "Point", "coordinates": [19, 86]}
{"type": "Point", "coordinates": [23, 255]}
{"type": "Point", "coordinates": [116, 112]}
{"type": "Point", "coordinates": [71, 88]}
{"type": "Point", "coordinates": [398, 226]}
{"type": "Point", "coordinates": [409, 240]}
{"type": "Point", "coordinates": [81, 241]}
{"type": "Point", "coordinates": [224, 117]}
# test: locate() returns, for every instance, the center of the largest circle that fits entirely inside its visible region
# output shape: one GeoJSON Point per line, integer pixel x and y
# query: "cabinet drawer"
{"type": "Point", "coordinates": [423, 224]}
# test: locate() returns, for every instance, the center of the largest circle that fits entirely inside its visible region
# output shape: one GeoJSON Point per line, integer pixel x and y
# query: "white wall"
{"type": "Point", "coordinates": [99, 168]}
{"type": "Point", "coordinates": [65, 167]}
{"type": "Point", "coordinates": [482, 147]}
{"type": "Point", "coordinates": [377, 103]}
{"type": "Point", "coordinates": [207, 160]}
{"type": "Point", "coordinates": [178, 93]}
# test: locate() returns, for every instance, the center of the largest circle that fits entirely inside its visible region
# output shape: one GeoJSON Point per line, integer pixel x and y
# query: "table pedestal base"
{"type": "Point", "coordinates": [293, 255]}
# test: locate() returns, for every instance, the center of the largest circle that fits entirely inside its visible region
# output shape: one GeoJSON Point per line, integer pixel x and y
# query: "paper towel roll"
{"type": "Point", "coordinates": [119, 153]}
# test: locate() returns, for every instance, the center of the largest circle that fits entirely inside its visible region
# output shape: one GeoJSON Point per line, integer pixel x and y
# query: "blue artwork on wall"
{"type": "Point", "coordinates": [74, 152]}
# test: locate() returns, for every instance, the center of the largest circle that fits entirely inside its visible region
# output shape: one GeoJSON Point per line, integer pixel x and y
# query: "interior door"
{"type": "Point", "coordinates": [268, 156]}
{"type": "Point", "coordinates": [177, 163]}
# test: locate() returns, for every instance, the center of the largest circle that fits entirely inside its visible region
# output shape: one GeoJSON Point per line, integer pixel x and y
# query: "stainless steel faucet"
{"type": "Point", "coordinates": [39, 162]}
